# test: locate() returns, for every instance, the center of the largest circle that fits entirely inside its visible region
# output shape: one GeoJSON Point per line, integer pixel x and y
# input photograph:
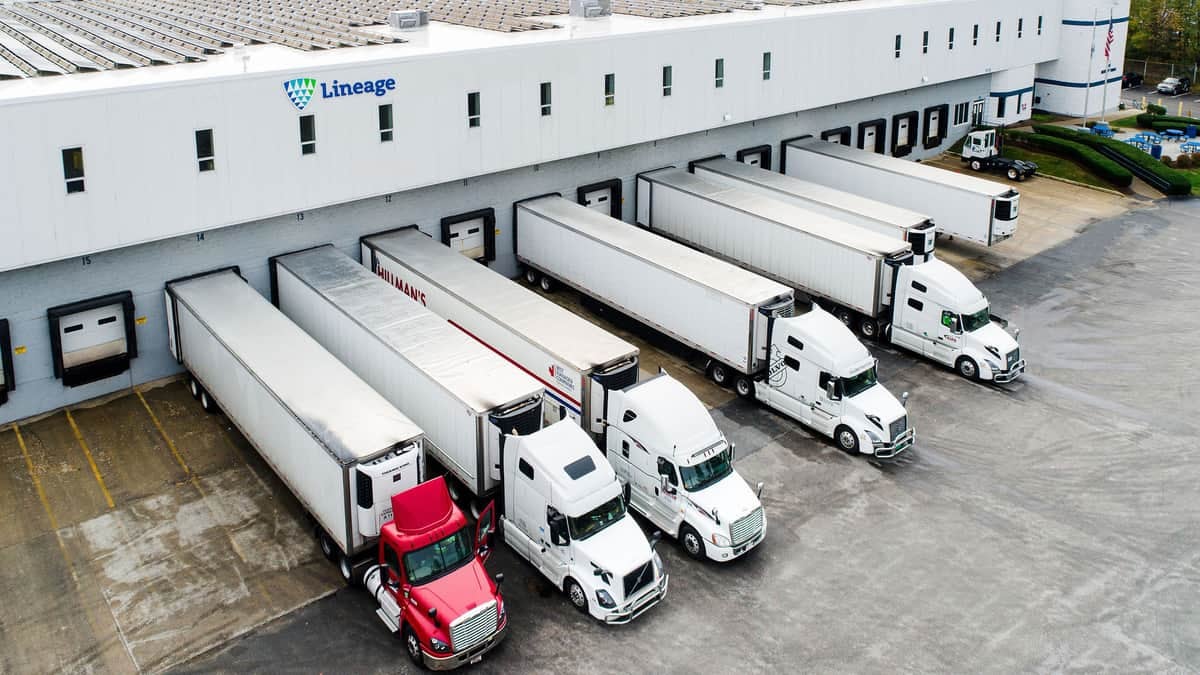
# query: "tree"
{"type": "Point", "coordinates": [1164, 30]}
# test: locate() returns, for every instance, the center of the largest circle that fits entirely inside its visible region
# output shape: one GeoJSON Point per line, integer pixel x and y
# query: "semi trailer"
{"type": "Point", "coordinates": [740, 322]}
{"type": "Point", "coordinates": [576, 361]}
{"type": "Point", "coordinates": [915, 228]}
{"type": "Point", "coordinates": [528, 329]}
{"type": "Point", "coordinates": [866, 279]}
{"type": "Point", "coordinates": [978, 210]}
{"type": "Point", "coordinates": [351, 459]}
{"type": "Point", "coordinates": [484, 414]}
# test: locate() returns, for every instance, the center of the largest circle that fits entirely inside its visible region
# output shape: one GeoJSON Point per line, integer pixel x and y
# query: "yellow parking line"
{"type": "Point", "coordinates": [91, 461]}
{"type": "Point", "coordinates": [37, 484]}
{"type": "Point", "coordinates": [163, 432]}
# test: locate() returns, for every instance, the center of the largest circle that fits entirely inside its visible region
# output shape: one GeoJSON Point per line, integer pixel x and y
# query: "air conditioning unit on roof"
{"type": "Point", "coordinates": [408, 19]}
{"type": "Point", "coordinates": [591, 9]}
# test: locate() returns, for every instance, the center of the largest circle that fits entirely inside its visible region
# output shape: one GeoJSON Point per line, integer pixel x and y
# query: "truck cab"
{"type": "Point", "coordinates": [430, 581]}
{"type": "Point", "coordinates": [982, 153]}
{"type": "Point", "coordinates": [564, 513]}
{"type": "Point", "coordinates": [677, 470]}
{"type": "Point", "coordinates": [822, 376]}
{"type": "Point", "coordinates": [939, 313]}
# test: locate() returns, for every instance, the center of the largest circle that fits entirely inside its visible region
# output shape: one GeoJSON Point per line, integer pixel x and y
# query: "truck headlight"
{"type": "Point", "coordinates": [658, 564]}
{"type": "Point", "coordinates": [875, 440]}
{"type": "Point", "coordinates": [720, 539]}
{"type": "Point", "coordinates": [438, 645]}
{"type": "Point", "coordinates": [993, 365]}
{"type": "Point", "coordinates": [604, 599]}
{"type": "Point", "coordinates": [500, 611]}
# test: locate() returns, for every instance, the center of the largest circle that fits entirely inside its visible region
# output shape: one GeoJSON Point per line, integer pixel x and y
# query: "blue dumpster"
{"type": "Point", "coordinates": [1156, 151]}
{"type": "Point", "coordinates": [1191, 131]}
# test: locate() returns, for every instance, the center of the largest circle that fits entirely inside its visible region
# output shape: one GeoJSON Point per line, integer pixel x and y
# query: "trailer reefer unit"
{"type": "Point", "coordinates": [340, 447]}
{"type": "Point", "coordinates": [575, 360]}
{"type": "Point", "coordinates": [464, 396]}
{"type": "Point", "coordinates": [975, 209]}
{"type": "Point", "coordinates": [915, 228]}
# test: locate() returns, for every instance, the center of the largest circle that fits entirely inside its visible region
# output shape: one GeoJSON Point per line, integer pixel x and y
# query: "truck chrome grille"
{"type": "Point", "coordinates": [639, 579]}
{"type": "Point", "coordinates": [899, 427]}
{"type": "Point", "coordinates": [473, 627]}
{"type": "Point", "coordinates": [1014, 357]}
{"type": "Point", "coordinates": [746, 527]}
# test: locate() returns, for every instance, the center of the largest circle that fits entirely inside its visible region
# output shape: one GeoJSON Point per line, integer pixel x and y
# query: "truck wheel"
{"type": "Point", "coordinates": [328, 549]}
{"type": "Point", "coordinates": [412, 645]}
{"type": "Point", "coordinates": [846, 439]}
{"type": "Point", "coordinates": [719, 374]}
{"type": "Point", "coordinates": [845, 316]}
{"type": "Point", "coordinates": [546, 284]}
{"type": "Point", "coordinates": [194, 387]}
{"type": "Point", "coordinates": [976, 165]}
{"type": "Point", "coordinates": [868, 327]}
{"type": "Point", "coordinates": [1013, 175]}
{"type": "Point", "coordinates": [346, 569]}
{"type": "Point", "coordinates": [531, 275]}
{"type": "Point", "coordinates": [576, 595]}
{"type": "Point", "coordinates": [207, 402]}
{"type": "Point", "coordinates": [967, 367]}
{"type": "Point", "coordinates": [693, 545]}
{"type": "Point", "coordinates": [744, 386]}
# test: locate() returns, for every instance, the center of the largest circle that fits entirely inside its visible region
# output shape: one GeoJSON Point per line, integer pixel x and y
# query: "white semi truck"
{"type": "Point", "coordinates": [740, 321]}
{"type": "Point", "coordinates": [978, 210]}
{"type": "Point", "coordinates": [576, 361]}
{"type": "Point", "coordinates": [866, 279]}
{"type": "Point", "coordinates": [483, 414]}
{"type": "Point", "coordinates": [341, 448]}
{"type": "Point", "coordinates": [526, 328]}
{"type": "Point", "coordinates": [915, 228]}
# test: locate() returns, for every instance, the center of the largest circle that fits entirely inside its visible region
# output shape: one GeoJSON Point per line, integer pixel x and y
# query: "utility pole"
{"type": "Point", "coordinates": [1107, 64]}
{"type": "Point", "coordinates": [1087, 94]}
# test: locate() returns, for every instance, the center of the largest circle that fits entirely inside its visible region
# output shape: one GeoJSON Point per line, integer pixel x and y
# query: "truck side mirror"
{"type": "Point", "coordinates": [758, 490]}
{"type": "Point", "coordinates": [499, 578]}
{"type": "Point", "coordinates": [831, 390]}
{"type": "Point", "coordinates": [655, 537]}
{"type": "Point", "coordinates": [732, 451]}
{"type": "Point", "coordinates": [904, 399]}
{"type": "Point", "coordinates": [558, 529]}
{"type": "Point", "coordinates": [665, 484]}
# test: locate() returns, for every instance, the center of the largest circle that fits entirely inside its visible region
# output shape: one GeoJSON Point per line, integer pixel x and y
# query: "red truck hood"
{"type": "Point", "coordinates": [456, 593]}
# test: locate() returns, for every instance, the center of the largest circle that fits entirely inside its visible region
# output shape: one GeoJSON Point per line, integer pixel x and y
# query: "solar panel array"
{"type": "Point", "coordinates": [57, 37]}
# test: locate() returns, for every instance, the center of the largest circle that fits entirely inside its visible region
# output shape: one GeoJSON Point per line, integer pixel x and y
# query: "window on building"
{"type": "Point", "coordinates": [610, 89]}
{"type": "Point", "coordinates": [1040, 21]}
{"type": "Point", "coordinates": [898, 39]}
{"type": "Point", "coordinates": [998, 24]}
{"type": "Point", "coordinates": [308, 134]}
{"type": "Point", "coordinates": [666, 80]}
{"type": "Point", "coordinates": [385, 123]}
{"type": "Point", "coordinates": [205, 157]}
{"type": "Point", "coordinates": [975, 36]}
{"type": "Point", "coordinates": [1020, 28]}
{"type": "Point", "coordinates": [473, 114]}
{"type": "Point", "coordinates": [925, 43]}
{"type": "Point", "coordinates": [961, 114]}
{"type": "Point", "coordinates": [72, 159]}
{"type": "Point", "coordinates": [951, 40]}
{"type": "Point", "coordinates": [719, 73]}
{"type": "Point", "coordinates": [766, 65]}
{"type": "Point", "coordinates": [1001, 106]}
{"type": "Point", "coordinates": [545, 98]}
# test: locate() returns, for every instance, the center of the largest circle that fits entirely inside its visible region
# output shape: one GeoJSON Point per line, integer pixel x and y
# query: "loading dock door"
{"type": "Point", "coordinates": [604, 197]}
{"type": "Point", "coordinates": [934, 126]}
{"type": "Point", "coordinates": [467, 238]}
{"type": "Point", "coordinates": [93, 339]}
{"type": "Point", "coordinates": [599, 200]}
{"type": "Point", "coordinates": [759, 155]}
{"type": "Point", "coordinates": [473, 234]}
{"type": "Point", "coordinates": [902, 132]}
{"type": "Point", "coordinates": [869, 138]}
{"type": "Point", "coordinates": [8, 380]}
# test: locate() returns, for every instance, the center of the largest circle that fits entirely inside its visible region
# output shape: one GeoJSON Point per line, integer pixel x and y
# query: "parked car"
{"type": "Point", "coordinates": [1174, 86]}
{"type": "Point", "coordinates": [1130, 80]}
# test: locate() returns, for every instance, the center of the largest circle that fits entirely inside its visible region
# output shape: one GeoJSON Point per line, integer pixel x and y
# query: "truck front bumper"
{"type": "Point", "coordinates": [1011, 374]}
{"type": "Point", "coordinates": [639, 605]}
{"type": "Point", "coordinates": [726, 553]}
{"type": "Point", "coordinates": [472, 655]}
{"type": "Point", "coordinates": [902, 443]}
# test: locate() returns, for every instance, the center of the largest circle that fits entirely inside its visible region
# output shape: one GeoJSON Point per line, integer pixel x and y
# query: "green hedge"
{"type": "Point", "coordinates": [1176, 183]}
{"type": "Point", "coordinates": [1147, 121]}
{"type": "Point", "coordinates": [1156, 109]}
{"type": "Point", "coordinates": [1091, 160]}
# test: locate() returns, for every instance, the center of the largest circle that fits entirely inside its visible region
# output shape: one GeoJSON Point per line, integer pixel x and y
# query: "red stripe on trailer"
{"type": "Point", "coordinates": [535, 376]}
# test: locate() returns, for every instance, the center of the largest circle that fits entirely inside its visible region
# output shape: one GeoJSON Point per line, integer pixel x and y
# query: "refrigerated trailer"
{"type": "Point", "coordinates": [576, 361]}
{"type": "Point", "coordinates": [340, 447]}
{"type": "Point", "coordinates": [465, 397]}
{"type": "Point", "coordinates": [866, 279]}
{"type": "Point", "coordinates": [975, 209]}
{"type": "Point", "coordinates": [915, 228]}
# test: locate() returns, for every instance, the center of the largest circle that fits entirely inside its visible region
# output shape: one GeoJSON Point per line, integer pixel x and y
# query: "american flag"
{"type": "Point", "coordinates": [1109, 42]}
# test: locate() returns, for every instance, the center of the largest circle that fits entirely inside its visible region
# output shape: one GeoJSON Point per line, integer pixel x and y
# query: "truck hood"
{"type": "Point", "coordinates": [877, 401]}
{"type": "Point", "coordinates": [619, 548]}
{"type": "Point", "coordinates": [731, 496]}
{"type": "Point", "coordinates": [994, 336]}
{"type": "Point", "coordinates": [456, 593]}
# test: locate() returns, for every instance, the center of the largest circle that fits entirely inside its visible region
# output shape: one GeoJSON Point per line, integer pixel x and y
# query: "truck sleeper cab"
{"type": "Point", "coordinates": [565, 515]}
{"type": "Point", "coordinates": [677, 470]}
{"type": "Point", "coordinates": [430, 581]}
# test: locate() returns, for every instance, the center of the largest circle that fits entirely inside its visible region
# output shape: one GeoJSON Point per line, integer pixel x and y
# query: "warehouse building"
{"type": "Point", "coordinates": [144, 141]}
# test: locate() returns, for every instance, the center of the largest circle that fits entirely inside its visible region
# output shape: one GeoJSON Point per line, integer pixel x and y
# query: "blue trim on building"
{"type": "Point", "coordinates": [1014, 92]}
{"type": "Point", "coordinates": [1078, 85]}
{"type": "Point", "coordinates": [1089, 24]}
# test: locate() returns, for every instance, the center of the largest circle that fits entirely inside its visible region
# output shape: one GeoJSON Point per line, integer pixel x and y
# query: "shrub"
{"type": "Point", "coordinates": [1175, 182]}
{"type": "Point", "coordinates": [1156, 109]}
{"type": "Point", "coordinates": [1167, 161]}
{"type": "Point", "coordinates": [1091, 160]}
{"type": "Point", "coordinates": [1091, 124]}
{"type": "Point", "coordinates": [1183, 162]}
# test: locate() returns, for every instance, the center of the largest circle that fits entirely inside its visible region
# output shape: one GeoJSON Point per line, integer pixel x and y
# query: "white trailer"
{"type": "Point", "coordinates": [465, 396]}
{"type": "Point", "coordinates": [975, 209]}
{"type": "Point", "coordinates": [915, 228]}
{"type": "Point", "coordinates": [576, 361]}
{"type": "Point", "coordinates": [340, 447]}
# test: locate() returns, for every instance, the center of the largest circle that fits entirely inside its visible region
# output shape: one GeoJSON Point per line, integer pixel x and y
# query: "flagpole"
{"type": "Point", "coordinates": [1107, 63]}
{"type": "Point", "coordinates": [1087, 93]}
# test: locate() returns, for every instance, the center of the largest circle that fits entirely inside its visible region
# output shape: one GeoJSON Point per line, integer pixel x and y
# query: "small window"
{"type": "Point", "coordinates": [1020, 28]}
{"type": "Point", "coordinates": [916, 304]}
{"type": "Point", "coordinates": [1001, 106]}
{"type": "Point", "coordinates": [629, 416]}
{"type": "Point", "coordinates": [951, 40]}
{"type": "Point", "coordinates": [545, 99]}
{"type": "Point", "coordinates": [610, 89]}
{"type": "Point", "coordinates": [792, 363]}
{"type": "Point", "coordinates": [925, 43]}
{"type": "Point", "coordinates": [766, 65]}
{"type": "Point", "coordinates": [898, 40]}
{"type": "Point", "coordinates": [525, 469]}
{"type": "Point", "coordinates": [998, 24]}
{"type": "Point", "coordinates": [72, 159]}
{"type": "Point", "coordinates": [385, 123]}
{"type": "Point", "coordinates": [719, 73]}
{"type": "Point", "coordinates": [918, 286]}
{"type": "Point", "coordinates": [1040, 20]}
{"type": "Point", "coordinates": [961, 114]}
{"type": "Point", "coordinates": [308, 134]}
{"type": "Point", "coordinates": [667, 469]}
{"type": "Point", "coordinates": [975, 36]}
{"type": "Point", "coordinates": [580, 467]}
{"type": "Point", "coordinates": [795, 343]}
{"type": "Point", "coordinates": [106, 320]}
{"type": "Point", "coordinates": [73, 329]}
{"type": "Point", "coordinates": [392, 560]}
{"type": "Point", "coordinates": [205, 156]}
{"type": "Point", "coordinates": [473, 109]}
{"type": "Point", "coordinates": [666, 80]}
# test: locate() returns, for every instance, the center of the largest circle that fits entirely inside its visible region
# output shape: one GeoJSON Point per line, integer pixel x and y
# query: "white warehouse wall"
{"type": "Point", "coordinates": [1082, 82]}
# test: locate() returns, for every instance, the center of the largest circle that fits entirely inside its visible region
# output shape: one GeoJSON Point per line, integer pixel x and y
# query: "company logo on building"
{"type": "Point", "coordinates": [300, 91]}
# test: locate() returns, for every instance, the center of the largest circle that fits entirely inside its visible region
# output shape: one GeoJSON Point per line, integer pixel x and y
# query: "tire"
{"type": "Point", "coordinates": [328, 549]}
{"type": "Point", "coordinates": [845, 316]}
{"type": "Point", "coordinates": [546, 284]}
{"type": "Point", "coordinates": [194, 387]}
{"type": "Point", "coordinates": [967, 367]}
{"type": "Point", "coordinates": [719, 373]}
{"type": "Point", "coordinates": [846, 439]}
{"type": "Point", "coordinates": [1013, 174]}
{"type": "Point", "coordinates": [576, 595]}
{"type": "Point", "coordinates": [869, 328]}
{"type": "Point", "coordinates": [531, 275]}
{"type": "Point", "coordinates": [412, 645]}
{"type": "Point", "coordinates": [976, 165]}
{"type": "Point", "coordinates": [207, 402]}
{"type": "Point", "coordinates": [692, 542]}
{"type": "Point", "coordinates": [744, 386]}
{"type": "Point", "coordinates": [1021, 177]}
{"type": "Point", "coordinates": [346, 570]}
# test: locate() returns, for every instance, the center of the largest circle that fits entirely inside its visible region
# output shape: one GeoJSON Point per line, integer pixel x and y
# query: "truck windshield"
{"type": "Point", "coordinates": [861, 382]}
{"type": "Point", "coordinates": [973, 322]}
{"type": "Point", "coordinates": [439, 558]}
{"type": "Point", "coordinates": [597, 519]}
{"type": "Point", "coordinates": [711, 470]}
